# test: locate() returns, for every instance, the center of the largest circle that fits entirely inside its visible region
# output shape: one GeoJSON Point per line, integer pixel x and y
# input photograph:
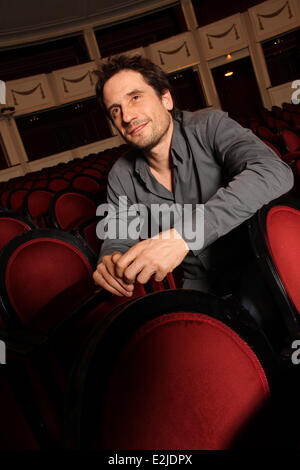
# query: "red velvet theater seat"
{"type": "Point", "coordinates": [11, 225]}
{"type": "Point", "coordinates": [275, 236]}
{"type": "Point", "coordinates": [58, 183]}
{"type": "Point", "coordinates": [173, 371]}
{"type": "Point", "coordinates": [292, 141]}
{"type": "Point", "coordinates": [16, 198]}
{"type": "Point", "coordinates": [70, 207]}
{"type": "Point", "coordinates": [36, 206]}
{"type": "Point", "coordinates": [88, 183]}
{"type": "Point", "coordinates": [44, 275]}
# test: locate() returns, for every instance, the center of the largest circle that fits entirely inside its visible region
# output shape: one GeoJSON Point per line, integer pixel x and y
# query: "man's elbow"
{"type": "Point", "coordinates": [287, 180]}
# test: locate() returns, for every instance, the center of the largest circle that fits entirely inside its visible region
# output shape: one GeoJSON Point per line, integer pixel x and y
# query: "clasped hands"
{"type": "Point", "coordinates": [156, 256]}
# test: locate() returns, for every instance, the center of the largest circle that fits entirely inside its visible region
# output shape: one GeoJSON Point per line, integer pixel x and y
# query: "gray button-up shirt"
{"type": "Point", "coordinates": [217, 163]}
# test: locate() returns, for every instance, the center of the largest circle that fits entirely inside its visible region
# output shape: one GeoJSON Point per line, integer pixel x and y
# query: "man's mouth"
{"type": "Point", "coordinates": [137, 129]}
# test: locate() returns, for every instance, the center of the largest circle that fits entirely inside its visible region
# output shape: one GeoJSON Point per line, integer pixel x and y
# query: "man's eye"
{"type": "Point", "coordinates": [136, 97]}
{"type": "Point", "coordinates": [114, 112]}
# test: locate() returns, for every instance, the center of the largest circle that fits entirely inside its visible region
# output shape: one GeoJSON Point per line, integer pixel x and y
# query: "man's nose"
{"type": "Point", "coordinates": [127, 114]}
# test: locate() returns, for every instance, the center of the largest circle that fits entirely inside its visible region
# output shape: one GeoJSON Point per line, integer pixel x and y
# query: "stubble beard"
{"type": "Point", "coordinates": [154, 139]}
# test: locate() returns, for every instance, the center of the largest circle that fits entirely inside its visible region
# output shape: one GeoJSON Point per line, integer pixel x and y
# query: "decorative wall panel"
{"type": "Point", "coordinates": [175, 53]}
{"type": "Point", "coordinates": [223, 36]}
{"type": "Point", "coordinates": [29, 94]}
{"type": "Point", "coordinates": [75, 83]}
{"type": "Point", "coordinates": [274, 17]}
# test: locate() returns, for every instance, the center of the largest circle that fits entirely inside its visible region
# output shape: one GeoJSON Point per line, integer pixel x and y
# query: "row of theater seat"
{"type": "Point", "coordinates": [88, 174]}
{"type": "Point", "coordinates": [69, 210]}
{"type": "Point", "coordinates": [64, 197]}
{"type": "Point", "coordinates": [279, 128]}
{"type": "Point", "coordinates": [126, 370]}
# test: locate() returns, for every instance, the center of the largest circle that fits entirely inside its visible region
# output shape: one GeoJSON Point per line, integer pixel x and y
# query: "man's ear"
{"type": "Point", "coordinates": [167, 100]}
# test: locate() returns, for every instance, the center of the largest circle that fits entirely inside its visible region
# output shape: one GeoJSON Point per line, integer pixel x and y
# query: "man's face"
{"type": "Point", "coordinates": [138, 113]}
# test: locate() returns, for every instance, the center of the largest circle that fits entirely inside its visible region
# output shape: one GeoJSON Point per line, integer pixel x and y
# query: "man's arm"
{"type": "Point", "coordinates": [116, 242]}
{"type": "Point", "coordinates": [256, 176]}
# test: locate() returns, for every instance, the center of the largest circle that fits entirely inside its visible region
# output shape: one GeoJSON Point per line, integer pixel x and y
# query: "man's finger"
{"type": "Point", "coordinates": [126, 259]}
{"type": "Point", "coordinates": [103, 278]}
{"type": "Point", "coordinates": [110, 267]}
{"type": "Point", "coordinates": [145, 275]}
{"type": "Point", "coordinates": [98, 278]}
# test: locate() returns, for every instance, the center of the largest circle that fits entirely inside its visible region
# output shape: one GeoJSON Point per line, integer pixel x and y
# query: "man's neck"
{"type": "Point", "coordinates": [159, 156]}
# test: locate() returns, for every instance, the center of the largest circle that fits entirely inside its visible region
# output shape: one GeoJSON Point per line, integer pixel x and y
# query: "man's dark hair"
{"type": "Point", "coordinates": [152, 74]}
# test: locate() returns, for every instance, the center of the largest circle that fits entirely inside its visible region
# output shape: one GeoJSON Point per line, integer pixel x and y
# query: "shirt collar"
{"type": "Point", "coordinates": [178, 146]}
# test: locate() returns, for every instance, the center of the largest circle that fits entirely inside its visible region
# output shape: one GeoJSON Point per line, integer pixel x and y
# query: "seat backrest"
{"type": "Point", "coordinates": [264, 132]}
{"type": "Point", "coordinates": [70, 208]}
{"type": "Point", "coordinates": [274, 234]}
{"type": "Point", "coordinates": [171, 378]}
{"type": "Point", "coordinates": [93, 172]}
{"type": "Point", "coordinates": [58, 183]}
{"type": "Point", "coordinates": [41, 183]}
{"type": "Point", "coordinates": [16, 198]}
{"type": "Point", "coordinates": [3, 197]}
{"type": "Point", "coordinates": [47, 271]}
{"type": "Point", "coordinates": [180, 391]}
{"type": "Point", "coordinates": [87, 183]}
{"type": "Point", "coordinates": [36, 205]}
{"type": "Point", "coordinates": [11, 225]}
{"type": "Point", "coordinates": [87, 230]}
{"type": "Point", "coordinates": [283, 237]}
{"type": "Point", "coordinates": [291, 140]}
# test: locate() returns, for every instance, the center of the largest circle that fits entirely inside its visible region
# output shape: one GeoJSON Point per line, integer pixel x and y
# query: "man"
{"type": "Point", "coordinates": [183, 159]}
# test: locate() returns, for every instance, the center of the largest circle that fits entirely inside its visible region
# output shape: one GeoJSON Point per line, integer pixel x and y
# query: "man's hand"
{"type": "Point", "coordinates": [107, 278]}
{"type": "Point", "coordinates": [158, 255]}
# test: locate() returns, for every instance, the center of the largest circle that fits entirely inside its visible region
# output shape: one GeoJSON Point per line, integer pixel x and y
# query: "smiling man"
{"type": "Point", "coordinates": [202, 160]}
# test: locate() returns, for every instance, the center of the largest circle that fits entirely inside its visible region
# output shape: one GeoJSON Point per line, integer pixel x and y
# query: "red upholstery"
{"type": "Point", "coordinates": [87, 183]}
{"type": "Point", "coordinates": [41, 183]}
{"type": "Point", "coordinates": [88, 231]}
{"type": "Point", "coordinates": [265, 133]}
{"type": "Point", "coordinates": [57, 183]}
{"type": "Point", "coordinates": [93, 172]}
{"type": "Point", "coordinates": [270, 122]}
{"type": "Point", "coordinates": [283, 233]}
{"type": "Point", "coordinates": [291, 140]}
{"type": "Point", "coordinates": [280, 124]}
{"type": "Point", "coordinates": [16, 198]}
{"type": "Point", "coordinates": [3, 197]}
{"type": "Point", "coordinates": [69, 174]}
{"type": "Point", "coordinates": [49, 275]}
{"type": "Point", "coordinates": [96, 315]}
{"type": "Point", "coordinates": [296, 119]}
{"type": "Point", "coordinates": [184, 381]}
{"type": "Point", "coordinates": [71, 209]}
{"type": "Point", "coordinates": [10, 227]}
{"type": "Point", "coordinates": [37, 205]}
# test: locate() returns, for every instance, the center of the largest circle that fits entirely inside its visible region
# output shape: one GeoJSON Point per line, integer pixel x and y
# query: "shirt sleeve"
{"type": "Point", "coordinates": [117, 219]}
{"type": "Point", "coordinates": [255, 176]}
